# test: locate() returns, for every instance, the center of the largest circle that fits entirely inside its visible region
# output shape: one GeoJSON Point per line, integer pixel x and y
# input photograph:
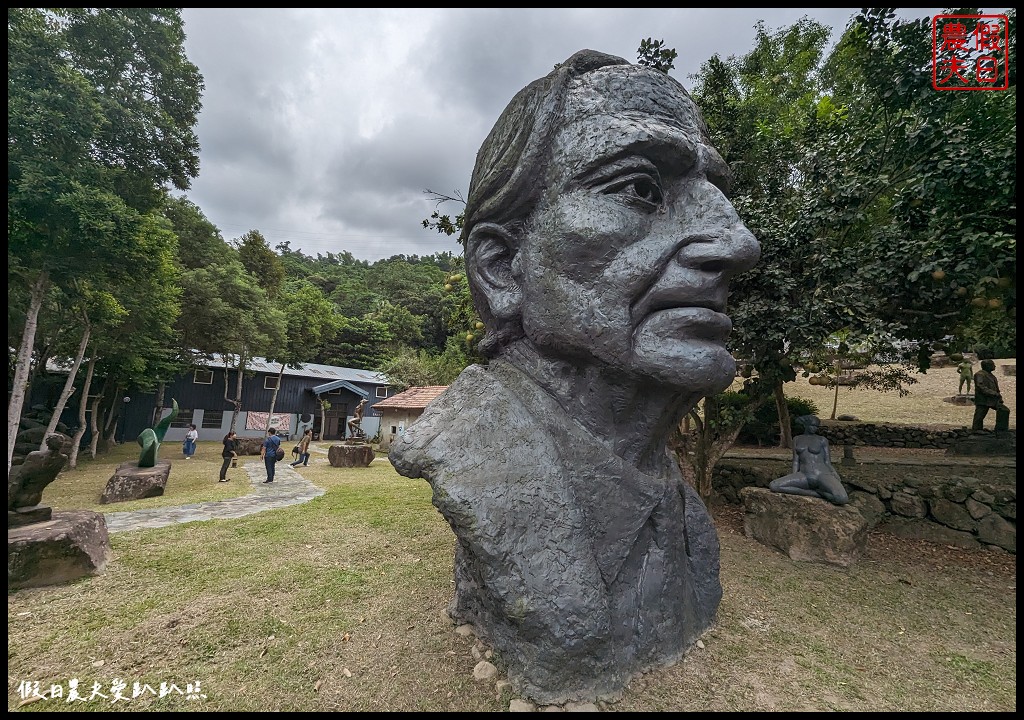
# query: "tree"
{"type": "Point", "coordinates": [654, 54]}
{"type": "Point", "coordinates": [310, 319]}
{"type": "Point", "coordinates": [832, 158]}
{"type": "Point", "coordinates": [102, 103]}
{"type": "Point", "coordinates": [261, 262]}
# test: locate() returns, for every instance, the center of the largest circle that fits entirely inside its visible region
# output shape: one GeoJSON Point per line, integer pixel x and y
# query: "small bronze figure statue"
{"type": "Point", "coordinates": [813, 474]}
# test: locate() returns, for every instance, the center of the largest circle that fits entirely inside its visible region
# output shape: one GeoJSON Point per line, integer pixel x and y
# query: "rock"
{"type": "Point", "coordinates": [130, 482]}
{"type": "Point", "coordinates": [248, 445]}
{"type": "Point", "coordinates": [484, 671]}
{"type": "Point", "coordinates": [354, 455]}
{"type": "Point", "coordinates": [26, 482]}
{"type": "Point", "coordinates": [518, 705]}
{"type": "Point", "coordinates": [581, 707]}
{"type": "Point", "coordinates": [69, 546]}
{"type": "Point", "coordinates": [993, 530]}
{"type": "Point", "coordinates": [805, 528]}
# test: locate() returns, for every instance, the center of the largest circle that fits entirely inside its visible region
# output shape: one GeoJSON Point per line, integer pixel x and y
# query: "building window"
{"type": "Point", "coordinates": [203, 377]}
{"type": "Point", "coordinates": [183, 420]}
{"type": "Point", "coordinates": [394, 429]}
{"type": "Point", "coordinates": [382, 392]}
{"type": "Point", "coordinates": [213, 418]}
{"type": "Point", "coordinates": [270, 382]}
{"type": "Point", "coordinates": [335, 391]}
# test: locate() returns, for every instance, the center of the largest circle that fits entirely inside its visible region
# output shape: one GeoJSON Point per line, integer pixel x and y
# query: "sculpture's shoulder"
{"type": "Point", "coordinates": [484, 418]}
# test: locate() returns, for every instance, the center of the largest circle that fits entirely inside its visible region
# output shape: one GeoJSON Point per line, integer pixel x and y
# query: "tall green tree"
{"type": "Point", "coordinates": [854, 175]}
{"type": "Point", "coordinates": [309, 320]}
{"type": "Point", "coordinates": [261, 262]}
{"type": "Point", "coordinates": [102, 103]}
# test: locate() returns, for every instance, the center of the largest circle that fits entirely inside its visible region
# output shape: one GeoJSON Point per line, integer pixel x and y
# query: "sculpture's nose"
{"type": "Point", "coordinates": [715, 239]}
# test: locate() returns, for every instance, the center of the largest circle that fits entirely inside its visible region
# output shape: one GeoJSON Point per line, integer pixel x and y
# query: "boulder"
{"type": "Point", "coordinates": [131, 482]}
{"type": "Point", "coordinates": [69, 546]}
{"type": "Point", "coordinates": [248, 445]}
{"type": "Point", "coordinates": [807, 529]}
{"type": "Point", "coordinates": [350, 455]}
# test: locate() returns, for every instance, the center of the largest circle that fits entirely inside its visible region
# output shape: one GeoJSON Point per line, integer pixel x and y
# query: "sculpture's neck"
{"type": "Point", "coordinates": [631, 416]}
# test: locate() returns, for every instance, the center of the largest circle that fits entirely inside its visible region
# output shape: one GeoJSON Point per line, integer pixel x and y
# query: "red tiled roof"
{"type": "Point", "coordinates": [413, 398]}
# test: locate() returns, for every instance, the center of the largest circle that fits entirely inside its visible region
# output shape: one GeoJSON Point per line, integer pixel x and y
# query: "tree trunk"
{"type": "Point", "coordinates": [236, 402]}
{"type": "Point", "coordinates": [324, 405]}
{"type": "Point", "coordinates": [785, 423]}
{"type": "Point", "coordinates": [234, 405]}
{"type": "Point", "coordinates": [82, 407]}
{"type": "Point", "coordinates": [835, 401]}
{"type": "Point", "coordinates": [69, 384]}
{"type": "Point", "coordinates": [698, 453]}
{"type": "Point", "coordinates": [94, 426]}
{"type": "Point", "coordinates": [110, 417]}
{"type": "Point", "coordinates": [273, 398]}
{"type": "Point", "coordinates": [24, 363]}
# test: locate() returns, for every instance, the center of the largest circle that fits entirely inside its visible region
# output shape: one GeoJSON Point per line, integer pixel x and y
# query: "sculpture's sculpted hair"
{"type": "Point", "coordinates": [505, 185]}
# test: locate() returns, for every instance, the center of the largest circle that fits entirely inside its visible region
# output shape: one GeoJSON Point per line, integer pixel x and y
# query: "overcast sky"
{"type": "Point", "coordinates": [323, 127]}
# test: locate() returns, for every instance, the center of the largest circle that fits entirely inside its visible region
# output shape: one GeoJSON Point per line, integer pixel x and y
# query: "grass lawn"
{"type": "Point", "coordinates": [339, 604]}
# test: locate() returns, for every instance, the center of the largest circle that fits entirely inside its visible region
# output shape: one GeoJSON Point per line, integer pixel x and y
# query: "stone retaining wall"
{"type": "Point", "coordinates": [908, 436]}
{"type": "Point", "coordinates": [965, 506]}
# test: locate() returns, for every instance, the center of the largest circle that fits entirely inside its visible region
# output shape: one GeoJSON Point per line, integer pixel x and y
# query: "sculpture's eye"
{"type": "Point", "coordinates": [641, 188]}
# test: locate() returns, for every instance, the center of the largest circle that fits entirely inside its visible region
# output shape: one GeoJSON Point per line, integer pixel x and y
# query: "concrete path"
{"type": "Point", "coordinates": [288, 488]}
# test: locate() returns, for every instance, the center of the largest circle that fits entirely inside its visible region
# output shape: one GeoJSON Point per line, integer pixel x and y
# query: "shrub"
{"type": "Point", "coordinates": [763, 429]}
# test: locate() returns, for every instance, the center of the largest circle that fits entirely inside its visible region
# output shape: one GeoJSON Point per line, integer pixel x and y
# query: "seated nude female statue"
{"type": "Point", "coordinates": [813, 473]}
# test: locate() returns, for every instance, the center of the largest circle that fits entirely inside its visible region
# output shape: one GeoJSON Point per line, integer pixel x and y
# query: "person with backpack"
{"type": "Point", "coordinates": [271, 452]}
{"type": "Point", "coordinates": [303, 448]}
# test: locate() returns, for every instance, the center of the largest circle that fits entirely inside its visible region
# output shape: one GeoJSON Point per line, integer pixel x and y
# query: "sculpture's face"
{"type": "Point", "coordinates": [628, 255]}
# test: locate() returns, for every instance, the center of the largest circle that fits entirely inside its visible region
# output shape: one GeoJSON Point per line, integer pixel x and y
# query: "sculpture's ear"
{"type": "Point", "coordinates": [492, 265]}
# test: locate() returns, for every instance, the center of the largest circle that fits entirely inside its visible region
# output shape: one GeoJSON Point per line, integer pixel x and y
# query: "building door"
{"type": "Point", "coordinates": [334, 420]}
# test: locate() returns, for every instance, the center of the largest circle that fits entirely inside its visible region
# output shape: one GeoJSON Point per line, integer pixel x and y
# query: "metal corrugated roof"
{"type": "Point", "coordinates": [335, 384]}
{"type": "Point", "coordinates": [314, 370]}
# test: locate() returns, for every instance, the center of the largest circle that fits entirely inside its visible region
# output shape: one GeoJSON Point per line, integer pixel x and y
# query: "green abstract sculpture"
{"type": "Point", "coordinates": [150, 438]}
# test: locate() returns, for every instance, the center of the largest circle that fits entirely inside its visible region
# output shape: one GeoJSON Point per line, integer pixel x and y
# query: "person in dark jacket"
{"type": "Point", "coordinates": [228, 453]}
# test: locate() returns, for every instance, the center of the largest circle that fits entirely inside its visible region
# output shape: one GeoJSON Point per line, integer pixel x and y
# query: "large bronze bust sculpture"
{"type": "Point", "coordinates": [599, 243]}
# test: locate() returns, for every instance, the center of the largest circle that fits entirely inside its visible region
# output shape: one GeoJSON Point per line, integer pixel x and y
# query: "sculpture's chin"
{"type": "Point", "coordinates": [689, 365]}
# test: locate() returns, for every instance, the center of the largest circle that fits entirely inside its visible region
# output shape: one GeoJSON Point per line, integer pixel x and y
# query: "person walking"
{"type": "Point", "coordinates": [228, 453]}
{"type": "Point", "coordinates": [189, 446]}
{"type": "Point", "coordinates": [269, 453]}
{"type": "Point", "coordinates": [304, 449]}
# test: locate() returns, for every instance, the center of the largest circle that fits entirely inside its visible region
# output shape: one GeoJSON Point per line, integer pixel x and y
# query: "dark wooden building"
{"type": "Point", "coordinates": [200, 395]}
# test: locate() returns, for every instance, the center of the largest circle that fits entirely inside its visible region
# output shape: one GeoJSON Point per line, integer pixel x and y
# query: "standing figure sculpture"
{"type": "Point", "coordinates": [355, 425]}
{"type": "Point", "coordinates": [966, 371]}
{"type": "Point", "coordinates": [813, 473]}
{"type": "Point", "coordinates": [987, 397]}
{"type": "Point", "coordinates": [599, 245]}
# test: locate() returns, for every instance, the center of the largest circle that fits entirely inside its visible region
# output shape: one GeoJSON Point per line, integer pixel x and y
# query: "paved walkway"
{"type": "Point", "coordinates": [288, 488]}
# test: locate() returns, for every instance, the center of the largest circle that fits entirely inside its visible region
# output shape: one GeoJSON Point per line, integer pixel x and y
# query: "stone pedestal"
{"type": "Point", "coordinates": [350, 455]}
{"type": "Point", "coordinates": [28, 515]}
{"type": "Point", "coordinates": [130, 482]}
{"type": "Point", "coordinates": [69, 546]}
{"type": "Point", "coordinates": [805, 528]}
{"type": "Point", "coordinates": [248, 446]}
{"type": "Point", "coordinates": [985, 443]}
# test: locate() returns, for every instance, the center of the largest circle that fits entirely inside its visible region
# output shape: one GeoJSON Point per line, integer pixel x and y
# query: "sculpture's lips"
{"type": "Point", "coordinates": [691, 321]}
